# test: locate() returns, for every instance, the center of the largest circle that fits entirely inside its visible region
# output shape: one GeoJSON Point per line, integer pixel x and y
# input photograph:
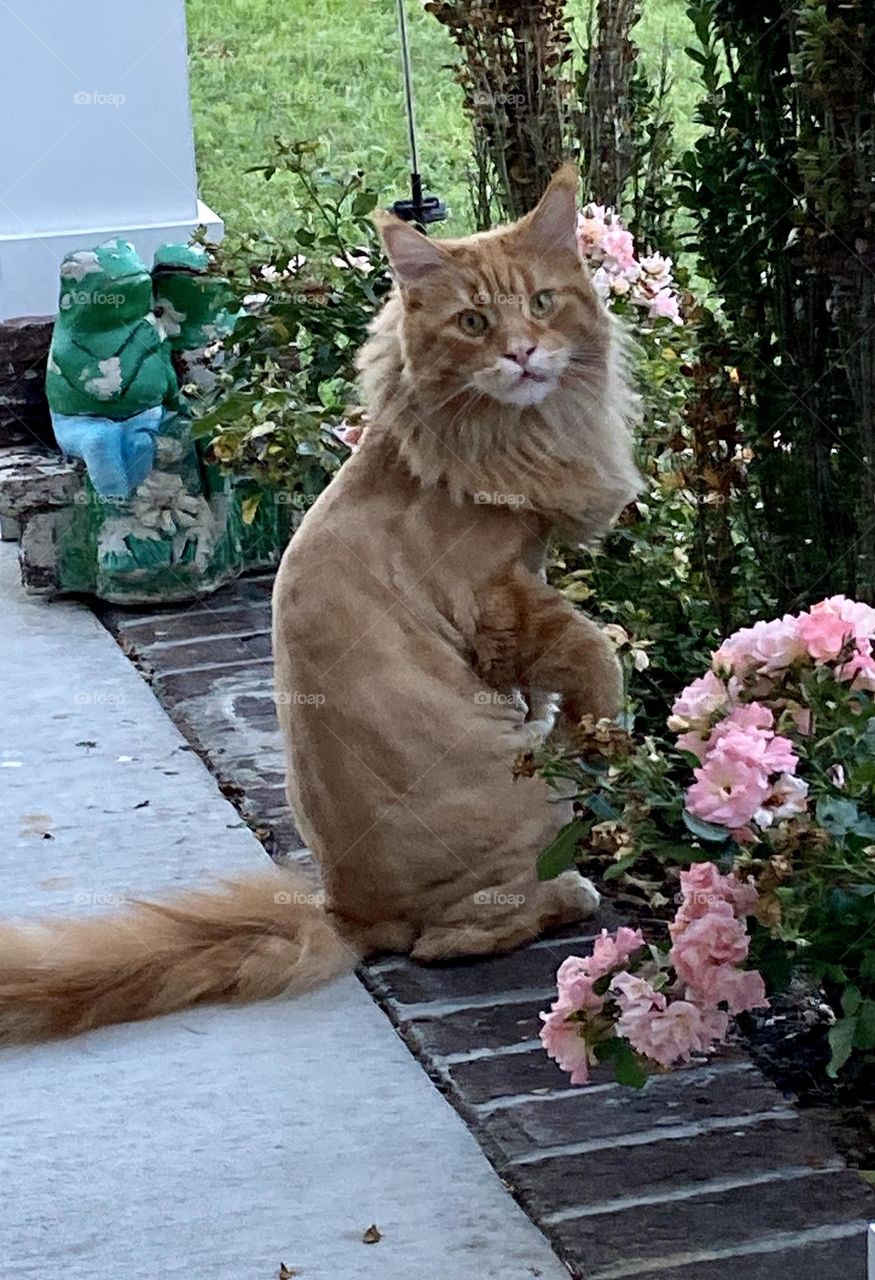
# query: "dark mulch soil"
{"type": "Point", "coordinates": [789, 1044]}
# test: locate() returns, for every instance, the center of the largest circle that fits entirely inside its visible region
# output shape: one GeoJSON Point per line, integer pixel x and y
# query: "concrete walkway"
{"type": "Point", "coordinates": [214, 1144]}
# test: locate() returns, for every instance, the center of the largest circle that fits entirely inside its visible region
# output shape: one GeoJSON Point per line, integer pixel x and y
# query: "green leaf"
{"type": "Point", "coordinates": [865, 1035]}
{"type": "Point", "coordinates": [561, 854]}
{"type": "Point", "coordinates": [837, 816]}
{"type": "Point", "coordinates": [617, 869]}
{"type": "Point", "coordinates": [364, 202]}
{"type": "Point", "coordinates": [600, 807]}
{"type": "Point", "coordinates": [851, 1001]}
{"type": "Point", "coordinates": [629, 1067]}
{"type": "Point", "coordinates": [841, 1040]}
{"type": "Point", "coordinates": [705, 830]}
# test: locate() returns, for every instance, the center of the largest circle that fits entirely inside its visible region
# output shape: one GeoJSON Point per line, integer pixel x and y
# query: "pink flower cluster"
{"type": "Point", "coordinates": [710, 942]}
{"type": "Point", "coordinates": [564, 1033]}
{"type": "Point", "coordinates": [618, 272]}
{"type": "Point", "coordinates": [747, 771]}
{"type": "Point", "coordinates": [614, 992]}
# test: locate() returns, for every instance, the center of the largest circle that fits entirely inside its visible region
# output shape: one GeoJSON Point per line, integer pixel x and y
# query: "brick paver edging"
{"type": "Point", "coordinates": [707, 1174]}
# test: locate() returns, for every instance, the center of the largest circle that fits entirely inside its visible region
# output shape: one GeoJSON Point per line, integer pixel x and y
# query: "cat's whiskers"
{"type": "Point", "coordinates": [466, 406]}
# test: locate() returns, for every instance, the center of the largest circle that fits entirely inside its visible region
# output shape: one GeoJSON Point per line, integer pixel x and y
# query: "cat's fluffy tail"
{"type": "Point", "coordinates": [249, 939]}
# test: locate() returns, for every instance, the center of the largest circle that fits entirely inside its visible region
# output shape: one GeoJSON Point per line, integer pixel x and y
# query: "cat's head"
{"type": "Point", "coordinates": [494, 368]}
{"type": "Point", "coordinates": [506, 317]}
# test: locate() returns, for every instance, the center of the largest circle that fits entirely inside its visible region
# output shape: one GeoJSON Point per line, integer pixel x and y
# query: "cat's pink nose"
{"type": "Point", "coordinates": [520, 355]}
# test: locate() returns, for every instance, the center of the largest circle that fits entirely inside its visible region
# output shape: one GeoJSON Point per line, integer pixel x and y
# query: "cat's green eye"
{"type": "Point", "coordinates": [473, 323]}
{"type": "Point", "coordinates": [542, 303]}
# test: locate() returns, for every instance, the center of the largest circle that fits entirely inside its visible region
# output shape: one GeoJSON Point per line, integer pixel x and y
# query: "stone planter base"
{"type": "Point", "coordinates": [75, 542]}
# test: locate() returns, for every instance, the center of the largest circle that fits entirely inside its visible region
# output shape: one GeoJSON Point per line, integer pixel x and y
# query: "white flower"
{"type": "Point", "coordinates": [787, 799]}
{"type": "Point", "coordinates": [614, 632]}
{"type": "Point", "coordinates": [602, 283]}
{"type": "Point", "coordinates": [360, 261]}
{"type": "Point", "coordinates": [658, 269]}
{"type": "Point", "coordinates": [109, 382]}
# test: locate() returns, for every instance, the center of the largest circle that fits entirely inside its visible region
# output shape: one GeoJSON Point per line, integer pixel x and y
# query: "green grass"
{"type": "Point", "coordinates": [329, 70]}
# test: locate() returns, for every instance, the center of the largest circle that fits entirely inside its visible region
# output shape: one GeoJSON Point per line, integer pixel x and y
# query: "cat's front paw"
{"type": "Point", "coordinates": [580, 894]}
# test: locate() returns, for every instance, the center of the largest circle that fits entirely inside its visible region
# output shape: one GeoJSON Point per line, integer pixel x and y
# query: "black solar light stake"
{"type": "Point", "coordinates": [419, 209]}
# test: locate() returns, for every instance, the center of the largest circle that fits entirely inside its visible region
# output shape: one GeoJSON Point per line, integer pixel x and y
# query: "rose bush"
{"type": "Point", "coordinates": [768, 773]}
{"type": "Point", "coordinates": [639, 1006]}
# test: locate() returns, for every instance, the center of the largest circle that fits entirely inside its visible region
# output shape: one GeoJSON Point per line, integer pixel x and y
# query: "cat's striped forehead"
{"type": "Point", "coordinates": [496, 270]}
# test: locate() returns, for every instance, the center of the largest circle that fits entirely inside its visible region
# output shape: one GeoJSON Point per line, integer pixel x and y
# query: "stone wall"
{"type": "Point", "coordinates": [24, 349]}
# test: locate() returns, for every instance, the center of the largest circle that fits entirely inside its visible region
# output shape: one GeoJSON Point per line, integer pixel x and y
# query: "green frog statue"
{"type": "Point", "coordinates": [151, 520]}
{"type": "Point", "coordinates": [109, 376]}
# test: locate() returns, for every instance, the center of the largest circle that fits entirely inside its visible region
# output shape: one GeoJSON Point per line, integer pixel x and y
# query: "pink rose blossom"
{"type": "Point", "coordinates": [825, 632]}
{"type": "Point", "coordinates": [861, 668]}
{"type": "Point", "coordinates": [669, 1035]}
{"type": "Point", "coordinates": [609, 249]}
{"type": "Point", "coordinates": [575, 983]}
{"type": "Point", "coordinates": [860, 616]}
{"type": "Point", "coordinates": [577, 974]}
{"type": "Point", "coordinates": [740, 989]}
{"type": "Point", "coordinates": [636, 993]}
{"type": "Point", "coordinates": [830, 625]}
{"type": "Point", "coordinates": [564, 1043]}
{"type": "Point", "coordinates": [698, 704]}
{"type": "Point", "coordinates": [716, 1024]}
{"type": "Point", "coordinates": [592, 226]}
{"type": "Point", "coordinates": [766, 647]}
{"type": "Point", "coordinates": [753, 715]}
{"type": "Point", "coordinates": [666, 306]}
{"type": "Point", "coordinates": [702, 886]}
{"type": "Point", "coordinates": [715, 938]}
{"type": "Point", "coordinates": [619, 244]}
{"type": "Point", "coordinates": [727, 791]}
{"type": "Point", "coordinates": [770, 752]}
{"type": "Point", "coordinates": [612, 950]}
{"type": "Point", "coordinates": [695, 744]}
{"type": "Point", "coordinates": [709, 942]}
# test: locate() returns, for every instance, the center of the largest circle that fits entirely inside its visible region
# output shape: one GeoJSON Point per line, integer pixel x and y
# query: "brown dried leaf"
{"type": "Point", "coordinates": [286, 1273]}
{"type": "Point", "coordinates": [373, 1235]}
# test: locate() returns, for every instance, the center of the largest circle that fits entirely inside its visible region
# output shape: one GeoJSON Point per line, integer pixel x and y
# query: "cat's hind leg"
{"type": "Point", "coordinates": [502, 917]}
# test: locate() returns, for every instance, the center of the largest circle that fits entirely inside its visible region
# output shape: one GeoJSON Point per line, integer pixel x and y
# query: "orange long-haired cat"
{"type": "Point", "coordinates": [412, 602]}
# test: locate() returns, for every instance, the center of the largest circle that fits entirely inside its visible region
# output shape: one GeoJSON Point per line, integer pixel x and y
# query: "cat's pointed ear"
{"type": "Point", "coordinates": [552, 224]}
{"type": "Point", "coordinates": [412, 256]}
